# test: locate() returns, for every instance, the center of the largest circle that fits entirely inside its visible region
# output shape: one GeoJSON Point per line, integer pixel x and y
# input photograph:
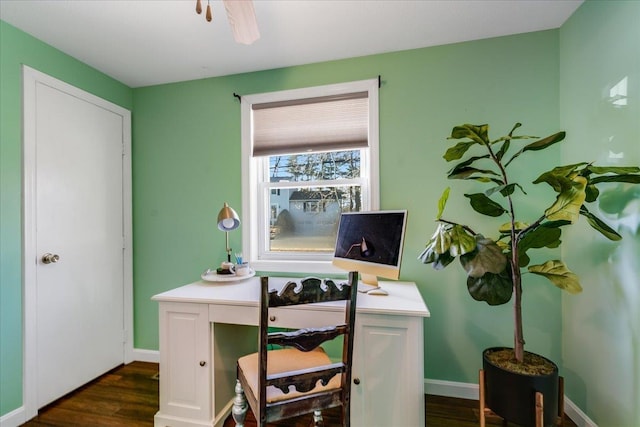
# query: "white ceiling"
{"type": "Point", "coordinates": [148, 42]}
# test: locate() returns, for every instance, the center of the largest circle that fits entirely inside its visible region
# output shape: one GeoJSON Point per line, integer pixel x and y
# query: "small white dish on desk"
{"type": "Point", "coordinates": [211, 276]}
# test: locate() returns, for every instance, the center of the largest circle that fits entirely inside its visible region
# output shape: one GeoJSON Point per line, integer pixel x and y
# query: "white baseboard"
{"type": "Point", "coordinates": [13, 418]}
{"type": "Point", "coordinates": [470, 391]}
{"type": "Point", "coordinates": [436, 387]}
{"type": "Point", "coordinates": [576, 414]}
{"type": "Point", "coordinates": [142, 355]}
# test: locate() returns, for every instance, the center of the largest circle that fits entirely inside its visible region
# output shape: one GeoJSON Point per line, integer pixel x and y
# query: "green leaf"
{"type": "Point", "coordinates": [442, 260]}
{"type": "Point", "coordinates": [600, 225]}
{"type": "Point", "coordinates": [600, 170]}
{"type": "Point", "coordinates": [462, 242]}
{"type": "Point", "coordinates": [487, 258]}
{"type": "Point", "coordinates": [505, 190]}
{"type": "Point", "coordinates": [540, 237]}
{"type": "Point", "coordinates": [441, 239]}
{"type": "Point", "coordinates": [494, 289]}
{"type": "Point", "coordinates": [633, 179]}
{"type": "Point", "coordinates": [503, 149]}
{"type": "Point", "coordinates": [559, 177]}
{"type": "Point", "coordinates": [447, 242]}
{"type": "Point", "coordinates": [467, 172]}
{"type": "Point", "coordinates": [545, 142]}
{"type": "Point", "coordinates": [463, 165]}
{"type": "Point", "coordinates": [443, 201]}
{"type": "Point", "coordinates": [457, 151]}
{"type": "Point", "coordinates": [559, 275]}
{"type": "Point", "coordinates": [438, 261]}
{"type": "Point", "coordinates": [506, 227]}
{"type": "Point", "coordinates": [545, 235]}
{"type": "Point", "coordinates": [484, 205]}
{"type": "Point", "coordinates": [477, 133]}
{"type": "Point", "coordinates": [468, 162]}
{"type": "Point", "coordinates": [568, 202]}
{"type": "Point", "coordinates": [539, 145]}
{"type": "Point", "coordinates": [556, 181]}
{"type": "Point", "coordinates": [592, 193]}
{"type": "Point", "coordinates": [516, 126]}
{"type": "Point", "coordinates": [428, 255]}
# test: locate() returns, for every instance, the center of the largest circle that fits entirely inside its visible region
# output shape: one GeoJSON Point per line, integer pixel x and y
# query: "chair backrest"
{"type": "Point", "coordinates": [307, 291]}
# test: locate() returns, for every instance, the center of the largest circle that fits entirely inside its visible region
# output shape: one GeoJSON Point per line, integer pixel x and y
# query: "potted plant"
{"type": "Point", "coordinates": [494, 266]}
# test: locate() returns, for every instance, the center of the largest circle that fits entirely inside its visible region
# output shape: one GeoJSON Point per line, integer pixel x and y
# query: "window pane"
{"type": "Point", "coordinates": [306, 219]}
{"type": "Point", "coordinates": [315, 166]}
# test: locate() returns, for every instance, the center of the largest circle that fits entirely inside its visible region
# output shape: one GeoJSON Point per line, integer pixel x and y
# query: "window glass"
{"type": "Point", "coordinates": [304, 218]}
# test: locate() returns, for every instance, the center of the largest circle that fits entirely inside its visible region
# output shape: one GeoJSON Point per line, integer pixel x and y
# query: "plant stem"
{"type": "Point", "coordinates": [516, 275]}
{"type": "Point", "coordinates": [469, 229]}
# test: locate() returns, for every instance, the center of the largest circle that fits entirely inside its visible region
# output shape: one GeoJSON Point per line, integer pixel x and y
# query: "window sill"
{"type": "Point", "coordinates": [299, 267]}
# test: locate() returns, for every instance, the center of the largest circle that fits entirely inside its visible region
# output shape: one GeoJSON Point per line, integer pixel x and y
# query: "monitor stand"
{"type": "Point", "coordinates": [369, 285]}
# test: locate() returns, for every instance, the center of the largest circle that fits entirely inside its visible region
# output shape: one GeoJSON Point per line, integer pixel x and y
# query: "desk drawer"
{"type": "Point", "coordinates": [234, 314]}
{"type": "Point", "coordinates": [303, 318]}
{"type": "Point", "coordinates": [282, 317]}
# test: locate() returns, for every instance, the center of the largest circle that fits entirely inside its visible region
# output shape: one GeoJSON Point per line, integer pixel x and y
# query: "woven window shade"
{"type": "Point", "coordinates": [313, 124]}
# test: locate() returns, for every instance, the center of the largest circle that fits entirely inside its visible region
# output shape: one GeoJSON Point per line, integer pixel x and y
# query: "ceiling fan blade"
{"type": "Point", "coordinates": [242, 19]}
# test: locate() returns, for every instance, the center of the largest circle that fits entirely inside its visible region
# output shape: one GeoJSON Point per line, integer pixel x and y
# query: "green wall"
{"type": "Point", "coordinates": [600, 47]}
{"type": "Point", "coordinates": [17, 48]}
{"type": "Point", "coordinates": [187, 163]}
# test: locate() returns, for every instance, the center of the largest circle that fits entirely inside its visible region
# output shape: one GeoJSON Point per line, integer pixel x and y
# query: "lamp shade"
{"type": "Point", "coordinates": [228, 219]}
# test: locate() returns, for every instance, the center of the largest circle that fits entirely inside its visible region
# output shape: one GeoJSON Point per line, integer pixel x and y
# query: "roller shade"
{"type": "Point", "coordinates": [312, 124]}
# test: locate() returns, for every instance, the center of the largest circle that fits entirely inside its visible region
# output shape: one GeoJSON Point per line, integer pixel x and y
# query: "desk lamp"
{"type": "Point", "coordinates": [228, 221]}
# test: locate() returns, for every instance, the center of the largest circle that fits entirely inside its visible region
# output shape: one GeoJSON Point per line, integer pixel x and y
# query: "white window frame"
{"type": "Point", "coordinates": [254, 207]}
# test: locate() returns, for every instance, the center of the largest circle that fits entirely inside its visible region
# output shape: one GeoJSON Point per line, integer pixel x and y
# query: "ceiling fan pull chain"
{"type": "Point", "coordinates": [198, 7]}
{"type": "Point", "coordinates": [208, 11]}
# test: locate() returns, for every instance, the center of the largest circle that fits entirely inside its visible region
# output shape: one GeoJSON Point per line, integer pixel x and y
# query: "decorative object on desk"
{"type": "Point", "coordinates": [239, 258]}
{"type": "Point", "coordinates": [213, 276]}
{"type": "Point", "coordinates": [241, 269]}
{"type": "Point", "coordinates": [228, 220]}
{"type": "Point", "coordinates": [494, 266]}
{"type": "Point", "coordinates": [371, 243]}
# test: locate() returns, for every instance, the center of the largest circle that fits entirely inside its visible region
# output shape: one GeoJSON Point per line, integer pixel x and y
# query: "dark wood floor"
{"type": "Point", "coordinates": [128, 396]}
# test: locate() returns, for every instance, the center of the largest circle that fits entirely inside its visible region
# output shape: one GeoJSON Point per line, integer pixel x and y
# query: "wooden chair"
{"type": "Point", "coordinates": [298, 378]}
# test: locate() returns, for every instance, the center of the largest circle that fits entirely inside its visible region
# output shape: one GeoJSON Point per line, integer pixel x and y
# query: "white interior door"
{"type": "Point", "coordinates": [80, 221]}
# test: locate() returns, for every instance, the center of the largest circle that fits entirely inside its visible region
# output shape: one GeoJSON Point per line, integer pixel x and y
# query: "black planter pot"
{"type": "Point", "coordinates": [512, 395]}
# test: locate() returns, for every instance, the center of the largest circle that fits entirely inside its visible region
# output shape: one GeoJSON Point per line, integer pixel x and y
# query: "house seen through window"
{"type": "Point", "coordinates": [305, 213]}
{"type": "Point", "coordinates": [308, 155]}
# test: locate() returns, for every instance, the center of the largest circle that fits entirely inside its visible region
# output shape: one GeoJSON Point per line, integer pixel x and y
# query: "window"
{"type": "Point", "coordinates": [307, 155]}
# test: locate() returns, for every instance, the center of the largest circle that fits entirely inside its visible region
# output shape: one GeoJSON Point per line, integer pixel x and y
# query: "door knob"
{"type": "Point", "coordinates": [50, 258]}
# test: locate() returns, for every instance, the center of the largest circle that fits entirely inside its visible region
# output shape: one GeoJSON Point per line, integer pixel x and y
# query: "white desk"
{"type": "Point", "coordinates": [205, 327]}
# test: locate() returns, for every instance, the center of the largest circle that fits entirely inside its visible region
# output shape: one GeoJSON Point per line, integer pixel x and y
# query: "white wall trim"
{"type": "Point", "coordinates": [576, 414]}
{"type": "Point", "coordinates": [142, 355]}
{"type": "Point", "coordinates": [30, 77]}
{"type": "Point", "coordinates": [471, 391]}
{"type": "Point", "coordinates": [13, 418]}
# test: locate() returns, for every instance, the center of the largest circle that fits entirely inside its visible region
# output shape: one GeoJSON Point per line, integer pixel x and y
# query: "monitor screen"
{"type": "Point", "coordinates": [371, 243]}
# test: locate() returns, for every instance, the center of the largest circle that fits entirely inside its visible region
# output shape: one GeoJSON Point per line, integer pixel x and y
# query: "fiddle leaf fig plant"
{"type": "Point", "coordinates": [494, 266]}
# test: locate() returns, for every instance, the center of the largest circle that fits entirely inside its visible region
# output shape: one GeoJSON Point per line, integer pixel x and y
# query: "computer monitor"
{"type": "Point", "coordinates": [371, 243]}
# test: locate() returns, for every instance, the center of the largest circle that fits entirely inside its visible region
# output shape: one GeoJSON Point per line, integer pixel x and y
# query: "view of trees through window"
{"type": "Point", "coordinates": [305, 213]}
